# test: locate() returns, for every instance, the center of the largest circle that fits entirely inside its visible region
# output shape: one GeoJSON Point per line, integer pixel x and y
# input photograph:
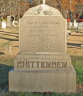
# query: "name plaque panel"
{"type": "Point", "coordinates": [42, 34]}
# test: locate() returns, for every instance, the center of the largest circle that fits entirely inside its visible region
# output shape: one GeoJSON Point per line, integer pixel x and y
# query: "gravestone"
{"type": "Point", "coordinates": [8, 49]}
{"type": "Point", "coordinates": [81, 46]}
{"type": "Point", "coordinates": [0, 23]}
{"type": "Point", "coordinates": [69, 25]}
{"type": "Point", "coordinates": [8, 20]}
{"type": "Point", "coordinates": [15, 23]}
{"type": "Point", "coordinates": [75, 25]}
{"type": "Point", "coordinates": [42, 64]}
{"type": "Point", "coordinates": [4, 24]}
{"type": "Point", "coordinates": [80, 25]}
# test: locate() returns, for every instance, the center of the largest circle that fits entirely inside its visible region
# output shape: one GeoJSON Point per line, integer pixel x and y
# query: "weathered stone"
{"type": "Point", "coordinates": [42, 64]}
{"type": "Point", "coordinates": [41, 31]}
{"type": "Point", "coordinates": [8, 49]}
{"type": "Point", "coordinates": [42, 81]}
{"type": "Point", "coordinates": [42, 61]}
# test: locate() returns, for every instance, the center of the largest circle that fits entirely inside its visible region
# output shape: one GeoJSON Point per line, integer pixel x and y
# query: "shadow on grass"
{"type": "Point", "coordinates": [11, 32]}
{"type": "Point", "coordinates": [1, 53]}
{"type": "Point", "coordinates": [8, 32]}
{"type": "Point", "coordinates": [2, 31]}
{"type": "Point", "coordinates": [15, 46]}
{"type": "Point", "coordinates": [74, 44]}
{"type": "Point", "coordinates": [9, 39]}
{"type": "Point", "coordinates": [4, 69]}
{"type": "Point", "coordinates": [11, 35]}
{"type": "Point", "coordinates": [78, 35]}
{"type": "Point", "coordinates": [74, 47]}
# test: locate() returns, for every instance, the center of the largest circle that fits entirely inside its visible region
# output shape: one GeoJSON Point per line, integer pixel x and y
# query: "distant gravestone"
{"type": "Point", "coordinates": [4, 24]}
{"type": "Point", "coordinates": [80, 25]}
{"type": "Point", "coordinates": [42, 64]}
{"type": "Point", "coordinates": [69, 25]}
{"type": "Point", "coordinates": [8, 49]}
{"type": "Point", "coordinates": [75, 24]}
{"type": "Point", "coordinates": [81, 46]}
{"type": "Point", "coordinates": [8, 20]}
{"type": "Point", "coordinates": [15, 23]}
{"type": "Point", "coordinates": [0, 23]}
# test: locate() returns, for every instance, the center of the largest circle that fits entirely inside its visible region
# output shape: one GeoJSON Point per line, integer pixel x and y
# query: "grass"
{"type": "Point", "coordinates": [39, 94]}
{"type": "Point", "coordinates": [78, 65]}
{"type": "Point", "coordinates": [5, 66]}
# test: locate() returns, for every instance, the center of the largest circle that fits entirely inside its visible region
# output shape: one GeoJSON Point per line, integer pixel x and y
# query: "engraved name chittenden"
{"type": "Point", "coordinates": [41, 64]}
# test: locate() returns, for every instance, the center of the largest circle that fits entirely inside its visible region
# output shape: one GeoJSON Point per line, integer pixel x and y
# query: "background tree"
{"type": "Point", "coordinates": [70, 5]}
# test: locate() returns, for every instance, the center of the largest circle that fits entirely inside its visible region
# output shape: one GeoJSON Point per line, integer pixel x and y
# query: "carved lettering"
{"type": "Point", "coordinates": [24, 63]}
{"type": "Point", "coordinates": [38, 64]}
{"type": "Point", "coordinates": [43, 64]}
{"type": "Point", "coordinates": [61, 64]}
{"type": "Point", "coordinates": [30, 23]}
{"type": "Point", "coordinates": [53, 64]}
{"type": "Point", "coordinates": [48, 64]}
{"type": "Point", "coordinates": [64, 64]}
{"type": "Point", "coordinates": [19, 64]}
{"type": "Point", "coordinates": [28, 64]}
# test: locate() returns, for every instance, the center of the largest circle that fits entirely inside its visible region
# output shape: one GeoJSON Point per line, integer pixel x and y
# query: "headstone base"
{"type": "Point", "coordinates": [42, 81]}
{"type": "Point", "coordinates": [42, 61]}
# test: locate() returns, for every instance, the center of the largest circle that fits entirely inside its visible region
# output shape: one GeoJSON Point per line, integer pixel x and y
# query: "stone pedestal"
{"type": "Point", "coordinates": [42, 81]}
{"type": "Point", "coordinates": [42, 72]}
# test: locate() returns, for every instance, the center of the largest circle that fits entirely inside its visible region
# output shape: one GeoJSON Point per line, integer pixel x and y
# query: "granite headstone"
{"type": "Point", "coordinates": [8, 20]}
{"type": "Point", "coordinates": [4, 24]}
{"type": "Point", "coordinates": [42, 64]}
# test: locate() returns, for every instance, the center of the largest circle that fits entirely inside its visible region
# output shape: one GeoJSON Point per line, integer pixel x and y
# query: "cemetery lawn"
{"type": "Point", "coordinates": [9, 37]}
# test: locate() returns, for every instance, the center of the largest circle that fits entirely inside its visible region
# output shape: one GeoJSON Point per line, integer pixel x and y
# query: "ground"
{"type": "Point", "coordinates": [74, 43]}
{"type": "Point", "coordinates": [9, 48]}
{"type": "Point", "coordinates": [9, 37]}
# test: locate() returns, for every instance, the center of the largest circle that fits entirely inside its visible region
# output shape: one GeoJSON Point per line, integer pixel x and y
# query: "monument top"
{"type": "Point", "coordinates": [42, 10]}
{"type": "Point", "coordinates": [43, 29]}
